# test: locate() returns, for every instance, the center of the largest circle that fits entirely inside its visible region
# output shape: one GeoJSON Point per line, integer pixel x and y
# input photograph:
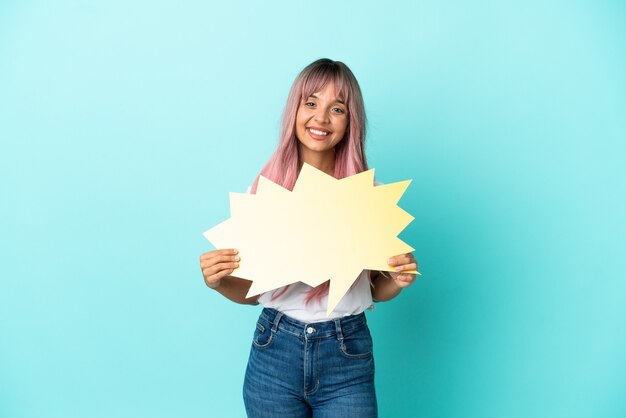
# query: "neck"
{"type": "Point", "coordinates": [322, 161]}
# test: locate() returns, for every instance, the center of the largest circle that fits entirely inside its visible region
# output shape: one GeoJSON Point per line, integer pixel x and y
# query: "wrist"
{"type": "Point", "coordinates": [214, 285]}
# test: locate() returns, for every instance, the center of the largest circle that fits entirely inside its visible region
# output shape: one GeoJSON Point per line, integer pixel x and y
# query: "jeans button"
{"type": "Point", "coordinates": [310, 330]}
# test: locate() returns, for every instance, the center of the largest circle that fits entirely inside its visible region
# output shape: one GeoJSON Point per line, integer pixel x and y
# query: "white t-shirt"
{"type": "Point", "coordinates": [293, 301]}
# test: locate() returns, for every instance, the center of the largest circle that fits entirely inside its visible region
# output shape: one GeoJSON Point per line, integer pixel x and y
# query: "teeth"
{"type": "Point", "coordinates": [316, 132]}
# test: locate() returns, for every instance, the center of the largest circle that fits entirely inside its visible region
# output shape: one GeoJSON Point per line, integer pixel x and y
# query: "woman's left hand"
{"type": "Point", "coordinates": [403, 262]}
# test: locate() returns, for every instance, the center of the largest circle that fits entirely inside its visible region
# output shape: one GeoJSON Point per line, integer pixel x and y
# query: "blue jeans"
{"type": "Point", "coordinates": [320, 370]}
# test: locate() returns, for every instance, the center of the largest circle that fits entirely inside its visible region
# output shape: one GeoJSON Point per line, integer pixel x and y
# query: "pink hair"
{"type": "Point", "coordinates": [283, 166]}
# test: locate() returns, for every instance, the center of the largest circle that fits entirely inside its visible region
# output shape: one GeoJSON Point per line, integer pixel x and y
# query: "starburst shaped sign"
{"type": "Point", "coordinates": [325, 229]}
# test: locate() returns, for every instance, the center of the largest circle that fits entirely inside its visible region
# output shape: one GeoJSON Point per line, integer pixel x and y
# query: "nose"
{"type": "Point", "coordinates": [321, 116]}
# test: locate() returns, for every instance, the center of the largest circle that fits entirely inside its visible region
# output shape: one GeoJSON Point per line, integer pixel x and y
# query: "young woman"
{"type": "Point", "coordinates": [303, 363]}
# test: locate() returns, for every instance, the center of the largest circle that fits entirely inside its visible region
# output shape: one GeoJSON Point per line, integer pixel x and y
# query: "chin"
{"type": "Point", "coordinates": [317, 147]}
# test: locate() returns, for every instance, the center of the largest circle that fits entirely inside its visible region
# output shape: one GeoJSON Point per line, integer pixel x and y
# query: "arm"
{"type": "Point", "coordinates": [236, 289]}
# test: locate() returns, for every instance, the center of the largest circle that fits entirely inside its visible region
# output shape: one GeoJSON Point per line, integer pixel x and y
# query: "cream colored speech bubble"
{"type": "Point", "coordinates": [325, 229]}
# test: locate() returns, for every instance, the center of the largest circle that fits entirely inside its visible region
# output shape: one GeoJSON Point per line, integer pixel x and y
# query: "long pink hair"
{"type": "Point", "coordinates": [283, 166]}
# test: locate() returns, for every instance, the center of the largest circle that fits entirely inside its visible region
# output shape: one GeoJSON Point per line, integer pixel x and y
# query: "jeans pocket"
{"type": "Point", "coordinates": [357, 344]}
{"type": "Point", "coordinates": [263, 335]}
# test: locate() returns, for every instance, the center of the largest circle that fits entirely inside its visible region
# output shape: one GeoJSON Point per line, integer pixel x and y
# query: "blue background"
{"type": "Point", "coordinates": [124, 125]}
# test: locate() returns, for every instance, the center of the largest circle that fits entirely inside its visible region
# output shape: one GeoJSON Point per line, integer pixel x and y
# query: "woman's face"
{"type": "Point", "coordinates": [321, 121]}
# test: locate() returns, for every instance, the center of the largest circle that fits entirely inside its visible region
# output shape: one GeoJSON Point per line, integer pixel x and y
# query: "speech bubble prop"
{"type": "Point", "coordinates": [325, 229]}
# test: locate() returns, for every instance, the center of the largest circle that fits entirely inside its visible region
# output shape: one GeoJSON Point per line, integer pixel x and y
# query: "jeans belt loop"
{"type": "Point", "coordinates": [338, 329]}
{"type": "Point", "coordinates": [276, 320]}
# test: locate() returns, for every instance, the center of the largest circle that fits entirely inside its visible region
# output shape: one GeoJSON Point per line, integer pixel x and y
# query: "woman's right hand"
{"type": "Point", "coordinates": [218, 264]}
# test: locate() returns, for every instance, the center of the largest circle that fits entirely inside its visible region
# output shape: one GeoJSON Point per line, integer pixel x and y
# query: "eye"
{"type": "Point", "coordinates": [338, 110]}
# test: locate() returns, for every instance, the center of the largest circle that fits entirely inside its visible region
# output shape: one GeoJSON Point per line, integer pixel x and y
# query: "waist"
{"type": "Point", "coordinates": [336, 326]}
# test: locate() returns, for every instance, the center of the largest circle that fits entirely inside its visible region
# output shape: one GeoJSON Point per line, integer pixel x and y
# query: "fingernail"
{"type": "Point", "coordinates": [398, 268]}
{"type": "Point", "coordinates": [390, 262]}
{"type": "Point", "coordinates": [236, 264]}
{"type": "Point", "coordinates": [237, 258]}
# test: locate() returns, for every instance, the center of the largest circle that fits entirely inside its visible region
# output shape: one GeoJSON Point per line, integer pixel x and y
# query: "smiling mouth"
{"type": "Point", "coordinates": [317, 134]}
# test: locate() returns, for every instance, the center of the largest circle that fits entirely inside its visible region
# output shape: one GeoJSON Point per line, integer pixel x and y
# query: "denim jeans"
{"type": "Point", "coordinates": [319, 370]}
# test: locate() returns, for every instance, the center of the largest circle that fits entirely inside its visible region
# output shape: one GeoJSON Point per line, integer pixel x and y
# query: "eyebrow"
{"type": "Point", "coordinates": [338, 100]}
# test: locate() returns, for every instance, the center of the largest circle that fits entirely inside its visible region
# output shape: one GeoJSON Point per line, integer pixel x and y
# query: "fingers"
{"type": "Point", "coordinates": [217, 253]}
{"type": "Point", "coordinates": [404, 280]}
{"type": "Point", "coordinates": [213, 280]}
{"type": "Point", "coordinates": [212, 269]}
{"type": "Point", "coordinates": [405, 277]}
{"type": "Point", "coordinates": [402, 260]}
{"type": "Point", "coordinates": [219, 259]}
{"type": "Point", "coordinates": [404, 267]}
{"type": "Point", "coordinates": [217, 264]}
